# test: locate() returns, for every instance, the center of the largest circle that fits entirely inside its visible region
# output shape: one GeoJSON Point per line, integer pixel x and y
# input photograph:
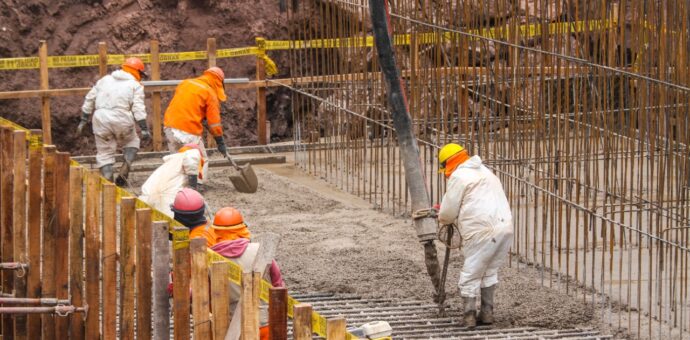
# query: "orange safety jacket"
{"type": "Point", "coordinates": [204, 231]}
{"type": "Point", "coordinates": [195, 99]}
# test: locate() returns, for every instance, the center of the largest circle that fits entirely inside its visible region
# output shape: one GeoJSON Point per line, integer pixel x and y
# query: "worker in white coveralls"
{"type": "Point", "coordinates": [117, 105]}
{"type": "Point", "coordinates": [476, 201]}
{"type": "Point", "coordinates": [179, 170]}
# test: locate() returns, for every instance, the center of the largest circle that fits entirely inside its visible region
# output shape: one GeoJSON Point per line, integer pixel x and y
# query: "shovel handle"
{"type": "Point", "coordinates": [227, 156]}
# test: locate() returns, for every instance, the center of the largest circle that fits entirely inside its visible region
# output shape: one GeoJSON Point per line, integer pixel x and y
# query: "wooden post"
{"type": "Point", "coordinates": [220, 298]}
{"type": "Point", "coordinates": [61, 253]}
{"type": "Point", "coordinates": [181, 272]}
{"type": "Point", "coordinates": [277, 313]}
{"type": "Point", "coordinates": [102, 59]}
{"type": "Point", "coordinates": [143, 267]}
{"type": "Point", "coordinates": [6, 221]}
{"type": "Point", "coordinates": [161, 277]}
{"type": "Point", "coordinates": [35, 201]}
{"type": "Point", "coordinates": [76, 249]}
{"type": "Point", "coordinates": [45, 100]}
{"type": "Point", "coordinates": [301, 328]}
{"type": "Point", "coordinates": [93, 247]}
{"type": "Point", "coordinates": [211, 54]}
{"type": "Point", "coordinates": [250, 309]}
{"type": "Point", "coordinates": [127, 249]}
{"type": "Point", "coordinates": [156, 123]}
{"type": "Point", "coordinates": [109, 241]}
{"type": "Point", "coordinates": [200, 302]}
{"type": "Point", "coordinates": [261, 94]}
{"type": "Point", "coordinates": [19, 223]}
{"type": "Point", "coordinates": [335, 329]}
{"type": "Point", "coordinates": [49, 226]}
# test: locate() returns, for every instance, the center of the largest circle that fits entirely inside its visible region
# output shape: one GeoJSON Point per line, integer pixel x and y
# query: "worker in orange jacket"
{"type": "Point", "coordinates": [196, 100]}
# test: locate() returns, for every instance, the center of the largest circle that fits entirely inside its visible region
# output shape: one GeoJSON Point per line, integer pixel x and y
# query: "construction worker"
{"type": "Point", "coordinates": [117, 103]}
{"type": "Point", "coordinates": [196, 100]}
{"type": "Point", "coordinates": [182, 169]}
{"type": "Point", "coordinates": [475, 199]}
{"type": "Point", "coordinates": [233, 242]}
{"type": "Point", "coordinates": [189, 209]}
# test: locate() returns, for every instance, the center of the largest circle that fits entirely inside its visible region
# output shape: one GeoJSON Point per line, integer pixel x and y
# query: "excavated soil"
{"type": "Point", "coordinates": [332, 242]}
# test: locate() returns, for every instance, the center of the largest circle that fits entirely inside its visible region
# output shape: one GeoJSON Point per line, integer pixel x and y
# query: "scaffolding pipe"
{"type": "Point", "coordinates": [32, 301]}
{"type": "Point", "coordinates": [59, 310]}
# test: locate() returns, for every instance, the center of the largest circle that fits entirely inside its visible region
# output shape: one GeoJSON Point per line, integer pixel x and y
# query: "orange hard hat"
{"type": "Point", "coordinates": [134, 63]}
{"type": "Point", "coordinates": [228, 217]}
{"type": "Point", "coordinates": [216, 71]}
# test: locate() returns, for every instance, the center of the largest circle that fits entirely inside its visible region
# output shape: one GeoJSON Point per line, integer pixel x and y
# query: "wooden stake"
{"type": "Point", "coordinates": [302, 321]}
{"type": "Point", "coordinates": [61, 252]}
{"type": "Point", "coordinates": [181, 272]}
{"type": "Point", "coordinates": [76, 249]}
{"type": "Point", "coordinates": [49, 226]}
{"type": "Point", "coordinates": [277, 313]}
{"type": "Point", "coordinates": [143, 268]}
{"type": "Point", "coordinates": [249, 316]}
{"type": "Point", "coordinates": [127, 258]}
{"type": "Point", "coordinates": [220, 298]}
{"type": "Point", "coordinates": [109, 241]}
{"type": "Point", "coordinates": [200, 302]}
{"type": "Point", "coordinates": [156, 123]}
{"type": "Point", "coordinates": [93, 259]}
{"type": "Point", "coordinates": [211, 54]}
{"type": "Point", "coordinates": [45, 101]}
{"type": "Point", "coordinates": [261, 95]}
{"type": "Point", "coordinates": [6, 220]}
{"type": "Point", "coordinates": [335, 329]}
{"type": "Point", "coordinates": [35, 201]}
{"type": "Point", "coordinates": [19, 223]}
{"type": "Point", "coordinates": [161, 277]}
{"type": "Point", "coordinates": [102, 59]}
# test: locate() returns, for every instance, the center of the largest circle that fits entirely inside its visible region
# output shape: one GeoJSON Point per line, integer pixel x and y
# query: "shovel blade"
{"type": "Point", "coordinates": [244, 179]}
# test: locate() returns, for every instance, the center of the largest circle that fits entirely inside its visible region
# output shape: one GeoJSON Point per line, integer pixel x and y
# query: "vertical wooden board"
{"type": "Point", "coordinates": [220, 298]}
{"type": "Point", "coordinates": [199, 284]}
{"type": "Point", "coordinates": [76, 249]}
{"type": "Point", "coordinates": [261, 101]}
{"type": "Point", "coordinates": [277, 313]}
{"type": "Point", "coordinates": [127, 253]}
{"type": "Point", "coordinates": [143, 268]}
{"type": "Point", "coordinates": [249, 310]}
{"type": "Point", "coordinates": [335, 329]}
{"type": "Point", "coordinates": [181, 301]}
{"type": "Point", "coordinates": [45, 101]}
{"type": "Point", "coordinates": [156, 124]}
{"type": "Point", "coordinates": [49, 225]}
{"type": "Point", "coordinates": [61, 252]}
{"type": "Point", "coordinates": [211, 54]}
{"type": "Point", "coordinates": [109, 242]}
{"type": "Point", "coordinates": [301, 328]}
{"type": "Point", "coordinates": [19, 223]}
{"type": "Point", "coordinates": [34, 230]}
{"type": "Point", "coordinates": [93, 246]}
{"type": "Point", "coordinates": [102, 58]}
{"type": "Point", "coordinates": [6, 221]}
{"type": "Point", "coordinates": [161, 277]}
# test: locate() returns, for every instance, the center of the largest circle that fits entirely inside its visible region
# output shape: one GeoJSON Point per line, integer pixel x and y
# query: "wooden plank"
{"type": "Point", "coordinates": [93, 246]}
{"type": "Point", "coordinates": [33, 278]}
{"type": "Point", "coordinates": [277, 313]}
{"type": "Point", "coordinates": [261, 98]}
{"type": "Point", "coordinates": [302, 321]}
{"type": "Point", "coordinates": [49, 226]}
{"type": "Point", "coordinates": [156, 124]}
{"type": "Point", "coordinates": [45, 101]}
{"type": "Point", "coordinates": [199, 284]}
{"type": "Point", "coordinates": [102, 58]}
{"type": "Point", "coordinates": [143, 267]}
{"type": "Point", "coordinates": [127, 267]}
{"type": "Point", "coordinates": [161, 277]}
{"type": "Point", "coordinates": [211, 55]}
{"type": "Point", "coordinates": [76, 249]}
{"type": "Point", "coordinates": [220, 298]}
{"type": "Point", "coordinates": [335, 329]}
{"type": "Point", "coordinates": [6, 221]}
{"type": "Point", "coordinates": [181, 301]}
{"type": "Point", "coordinates": [219, 163]}
{"type": "Point", "coordinates": [249, 310]}
{"type": "Point", "coordinates": [61, 252]}
{"type": "Point", "coordinates": [19, 223]}
{"type": "Point", "coordinates": [109, 242]}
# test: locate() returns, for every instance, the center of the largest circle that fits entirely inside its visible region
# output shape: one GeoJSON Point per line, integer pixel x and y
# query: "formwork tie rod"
{"type": "Point", "coordinates": [59, 310]}
{"type": "Point", "coordinates": [32, 301]}
{"type": "Point", "coordinates": [13, 265]}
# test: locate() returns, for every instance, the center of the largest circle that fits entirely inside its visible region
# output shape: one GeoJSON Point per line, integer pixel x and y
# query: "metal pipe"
{"type": "Point", "coordinates": [32, 301]}
{"type": "Point", "coordinates": [177, 82]}
{"type": "Point", "coordinates": [59, 310]}
{"type": "Point", "coordinates": [13, 265]}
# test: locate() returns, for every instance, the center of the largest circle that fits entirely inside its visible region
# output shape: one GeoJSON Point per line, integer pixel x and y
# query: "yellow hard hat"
{"type": "Point", "coordinates": [446, 152]}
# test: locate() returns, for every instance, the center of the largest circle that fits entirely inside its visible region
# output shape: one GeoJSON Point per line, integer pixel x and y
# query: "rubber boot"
{"type": "Point", "coordinates": [129, 154]}
{"type": "Point", "coordinates": [470, 312]}
{"type": "Point", "coordinates": [486, 311]}
{"type": "Point", "coordinates": [107, 172]}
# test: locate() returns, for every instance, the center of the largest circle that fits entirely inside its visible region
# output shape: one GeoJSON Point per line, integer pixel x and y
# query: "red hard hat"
{"type": "Point", "coordinates": [227, 217]}
{"type": "Point", "coordinates": [216, 71]}
{"type": "Point", "coordinates": [188, 200]}
{"type": "Point", "coordinates": [134, 63]}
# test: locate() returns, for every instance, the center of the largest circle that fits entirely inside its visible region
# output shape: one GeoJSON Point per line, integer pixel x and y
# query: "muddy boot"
{"type": "Point", "coordinates": [486, 311]}
{"type": "Point", "coordinates": [129, 155]}
{"type": "Point", "coordinates": [470, 312]}
{"type": "Point", "coordinates": [107, 172]}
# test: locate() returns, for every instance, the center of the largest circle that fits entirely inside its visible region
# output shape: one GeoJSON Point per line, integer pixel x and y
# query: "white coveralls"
{"type": "Point", "coordinates": [118, 102]}
{"type": "Point", "coordinates": [160, 188]}
{"type": "Point", "coordinates": [178, 138]}
{"type": "Point", "coordinates": [475, 198]}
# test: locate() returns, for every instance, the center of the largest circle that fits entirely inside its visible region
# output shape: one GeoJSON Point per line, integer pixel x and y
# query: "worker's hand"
{"type": "Point", "coordinates": [220, 141]}
{"type": "Point", "coordinates": [80, 127]}
{"type": "Point", "coordinates": [145, 135]}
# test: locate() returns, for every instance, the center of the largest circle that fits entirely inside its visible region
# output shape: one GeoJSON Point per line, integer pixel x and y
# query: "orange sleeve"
{"type": "Point", "coordinates": [213, 114]}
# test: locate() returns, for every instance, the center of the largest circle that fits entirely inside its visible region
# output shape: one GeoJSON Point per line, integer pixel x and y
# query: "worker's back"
{"type": "Point", "coordinates": [116, 100]}
{"type": "Point", "coordinates": [193, 100]}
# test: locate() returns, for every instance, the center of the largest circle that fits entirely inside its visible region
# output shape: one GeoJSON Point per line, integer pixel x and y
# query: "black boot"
{"type": "Point", "coordinates": [129, 155]}
{"type": "Point", "coordinates": [486, 311]}
{"type": "Point", "coordinates": [107, 172]}
{"type": "Point", "coordinates": [192, 182]}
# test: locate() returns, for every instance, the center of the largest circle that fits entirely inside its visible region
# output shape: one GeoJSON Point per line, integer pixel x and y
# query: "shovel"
{"type": "Point", "coordinates": [243, 177]}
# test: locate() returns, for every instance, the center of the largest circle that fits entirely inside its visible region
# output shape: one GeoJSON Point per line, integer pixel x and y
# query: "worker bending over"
{"type": "Point", "coordinates": [189, 209]}
{"type": "Point", "coordinates": [475, 199]}
{"type": "Point", "coordinates": [182, 169]}
{"type": "Point", "coordinates": [117, 104]}
{"type": "Point", "coordinates": [196, 100]}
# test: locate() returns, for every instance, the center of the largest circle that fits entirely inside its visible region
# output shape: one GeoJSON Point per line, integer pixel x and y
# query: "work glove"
{"type": "Point", "coordinates": [145, 134]}
{"type": "Point", "coordinates": [82, 123]}
{"type": "Point", "coordinates": [221, 146]}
